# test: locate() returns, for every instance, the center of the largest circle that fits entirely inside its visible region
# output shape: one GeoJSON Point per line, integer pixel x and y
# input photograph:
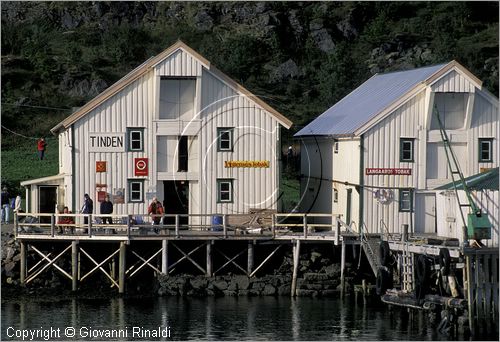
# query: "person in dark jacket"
{"type": "Point", "coordinates": [107, 208]}
{"type": "Point", "coordinates": [88, 207]}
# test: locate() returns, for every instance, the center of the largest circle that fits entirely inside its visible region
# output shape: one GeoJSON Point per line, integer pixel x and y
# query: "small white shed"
{"type": "Point", "coordinates": [376, 156]}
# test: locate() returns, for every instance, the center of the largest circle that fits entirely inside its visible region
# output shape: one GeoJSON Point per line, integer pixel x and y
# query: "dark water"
{"type": "Point", "coordinates": [228, 318]}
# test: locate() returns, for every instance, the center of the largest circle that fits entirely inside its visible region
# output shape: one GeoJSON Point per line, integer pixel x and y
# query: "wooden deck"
{"type": "Point", "coordinates": [233, 227]}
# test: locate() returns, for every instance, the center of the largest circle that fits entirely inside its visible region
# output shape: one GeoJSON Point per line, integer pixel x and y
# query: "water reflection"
{"type": "Point", "coordinates": [228, 318]}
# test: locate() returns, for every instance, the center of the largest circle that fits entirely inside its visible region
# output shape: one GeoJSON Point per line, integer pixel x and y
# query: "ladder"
{"type": "Point", "coordinates": [454, 168]}
{"type": "Point", "coordinates": [407, 264]}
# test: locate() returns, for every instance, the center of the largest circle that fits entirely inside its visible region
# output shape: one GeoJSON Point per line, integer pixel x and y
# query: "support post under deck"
{"type": "Point", "coordinates": [342, 267]}
{"type": "Point", "coordinates": [122, 266]}
{"type": "Point", "coordinates": [23, 263]}
{"type": "Point", "coordinates": [296, 259]}
{"type": "Point", "coordinates": [74, 265]}
{"type": "Point", "coordinates": [250, 257]}
{"type": "Point", "coordinates": [164, 256]}
{"type": "Point", "coordinates": [209, 258]}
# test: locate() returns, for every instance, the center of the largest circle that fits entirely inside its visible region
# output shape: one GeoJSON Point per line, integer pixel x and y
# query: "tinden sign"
{"type": "Point", "coordinates": [246, 163]}
{"type": "Point", "coordinates": [106, 142]}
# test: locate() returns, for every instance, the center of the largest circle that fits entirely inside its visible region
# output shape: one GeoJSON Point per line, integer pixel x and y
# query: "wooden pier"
{"type": "Point", "coordinates": [405, 253]}
{"type": "Point", "coordinates": [126, 234]}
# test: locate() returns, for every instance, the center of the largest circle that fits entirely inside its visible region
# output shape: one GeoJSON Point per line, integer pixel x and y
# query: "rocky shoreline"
{"type": "Point", "coordinates": [318, 277]}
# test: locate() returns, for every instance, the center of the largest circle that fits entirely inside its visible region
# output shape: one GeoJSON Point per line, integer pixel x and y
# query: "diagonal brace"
{"type": "Point", "coordinates": [48, 264]}
{"type": "Point", "coordinates": [265, 260]}
{"type": "Point", "coordinates": [146, 262]}
{"type": "Point", "coordinates": [45, 257]}
{"type": "Point", "coordinates": [187, 256]}
{"type": "Point", "coordinates": [231, 260]}
{"type": "Point", "coordinates": [99, 266]}
{"type": "Point", "coordinates": [38, 263]}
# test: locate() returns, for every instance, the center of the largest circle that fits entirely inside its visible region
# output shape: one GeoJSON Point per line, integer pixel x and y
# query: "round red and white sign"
{"type": "Point", "coordinates": [141, 165]}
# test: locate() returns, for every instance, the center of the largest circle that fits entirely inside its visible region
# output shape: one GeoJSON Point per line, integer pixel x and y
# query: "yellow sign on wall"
{"type": "Point", "coordinates": [246, 163]}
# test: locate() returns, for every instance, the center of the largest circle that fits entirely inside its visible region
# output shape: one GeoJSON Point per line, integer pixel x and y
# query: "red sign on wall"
{"type": "Point", "coordinates": [140, 166]}
{"type": "Point", "coordinates": [100, 166]}
{"type": "Point", "coordinates": [101, 195]}
{"type": "Point", "coordinates": [387, 171]}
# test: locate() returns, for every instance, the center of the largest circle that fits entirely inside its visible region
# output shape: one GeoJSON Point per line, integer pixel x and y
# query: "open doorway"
{"type": "Point", "coordinates": [47, 200]}
{"type": "Point", "coordinates": [176, 200]}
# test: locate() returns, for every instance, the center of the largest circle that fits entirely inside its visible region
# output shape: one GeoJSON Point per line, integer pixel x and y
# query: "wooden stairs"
{"type": "Point", "coordinates": [371, 249]}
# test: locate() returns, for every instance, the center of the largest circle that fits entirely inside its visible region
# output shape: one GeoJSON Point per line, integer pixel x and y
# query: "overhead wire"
{"type": "Point", "coordinates": [19, 134]}
{"type": "Point", "coordinates": [39, 107]}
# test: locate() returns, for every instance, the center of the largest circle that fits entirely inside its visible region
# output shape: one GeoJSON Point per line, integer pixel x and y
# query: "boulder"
{"type": "Point", "coordinates": [311, 277]}
{"type": "Point", "coordinates": [316, 287]}
{"type": "Point", "coordinates": [306, 293]}
{"type": "Point", "coordinates": [9, 266]}
{"type": "Point", "coordinates": [220, 284]}
{"type": "Point", "coordinates": [315, 256]}
{"type": "Point", "coordinates": [242, 281]}
{"type": "Point", "coordinates": [323, 40]}
{"type": "Point", "coordinates": [269, 290]}
{"type": "Point", "coordinates": [284, 290]}
{"type": "Point", "coordinates": [229, 293]}
{"type": "Point", "coordinates": [199, 283]}
{"type": "Point", "coordinates": [285, 70]}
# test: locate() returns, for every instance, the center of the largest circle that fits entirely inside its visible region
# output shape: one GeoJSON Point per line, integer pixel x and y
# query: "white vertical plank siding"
{"type": "Point", "coordinates": [253, 187]}
{"type": "Point", "coordinates": [453, 82]}
{"type": "Point", "coordinates": [382, 151]}
{"type": "Point", "coordinates": [179, 64]}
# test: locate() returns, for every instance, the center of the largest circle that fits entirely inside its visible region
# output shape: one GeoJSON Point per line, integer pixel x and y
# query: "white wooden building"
{"type": "Point", "coordinates": [176, 128]}
{"type": "Point", "coordinates": [376, 156]}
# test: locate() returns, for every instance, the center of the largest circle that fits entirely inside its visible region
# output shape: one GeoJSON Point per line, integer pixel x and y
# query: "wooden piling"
{"type": "Point", "coordinates": [164, 256]}
{"type": "Point", "coordinates": [113, 268]}
{"type": "Point", "coordinates": [250, 257]}
{"type": "Point", "coordinates": [470, 288]}
{"type": "Point", "coordinates": [74, 265]}
{"type": "Point", "coordinates": [296, 259]}
{"type": "Point", "coordinates": [342, 267]}
{"type": "Point", "coordinates": [209, 259]}
{"type": "Point", "coordinates": [121, 268]}
{"type": "Point", "coordinates": [23, 263]}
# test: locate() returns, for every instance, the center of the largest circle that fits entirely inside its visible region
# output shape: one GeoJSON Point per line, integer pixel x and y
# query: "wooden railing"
{"type": "Point", "coordinates": [300, 225]}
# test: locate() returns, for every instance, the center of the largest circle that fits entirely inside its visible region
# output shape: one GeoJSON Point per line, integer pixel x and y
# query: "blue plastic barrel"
{"type": "Point", "coordinates": [216, 223]}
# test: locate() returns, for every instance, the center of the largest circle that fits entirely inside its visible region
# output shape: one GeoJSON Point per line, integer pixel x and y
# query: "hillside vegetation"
{"type": "Point", "coordinates": [301, 57]}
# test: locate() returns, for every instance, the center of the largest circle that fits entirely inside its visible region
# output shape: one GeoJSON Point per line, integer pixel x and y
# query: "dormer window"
{"type": "Point", "coordinates": [177, 98]}
{"type": "Point", "coordinates": [451, 108]}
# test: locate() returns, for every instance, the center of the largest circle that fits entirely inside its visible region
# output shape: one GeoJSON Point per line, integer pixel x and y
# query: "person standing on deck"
{"type": "Point", "coordinates": [107, 209]}
{"type": "Point", "coordinates": [88, 207]}
{"type": "Point", "coordinates": [155, 209]}
{"type": "Point", "coordinates": [42, 145]}
{"type": "Point", "coordinates": [5, 205]}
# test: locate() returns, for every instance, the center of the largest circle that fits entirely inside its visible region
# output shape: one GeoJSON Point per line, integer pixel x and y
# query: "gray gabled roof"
{"type": "Point", "coordinates": [366, 101]}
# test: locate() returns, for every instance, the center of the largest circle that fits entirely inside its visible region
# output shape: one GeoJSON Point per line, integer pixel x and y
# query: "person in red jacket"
{"type": "Point", "coordinates": [41, 148]}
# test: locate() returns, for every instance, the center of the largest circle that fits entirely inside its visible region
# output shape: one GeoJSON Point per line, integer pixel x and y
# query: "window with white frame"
{"type": "Point", "coordinates": [335, 196]}
{"type": "Point", "coordinates": [135, 191]}
{"type": "Point", "coordinates": [224, 139]}
{"type": "Point", "coordinates": [336, 147]}
{"type": "Point", "coordinates": [135, 137]}
{"type": "Point", "coordinates": [406, 149]}
{"type": "Point", "coordinates": [485, 150]}
{"type": "Point", "coordinates": [405, 200]}
{"type": "Point", "coordinates": [224, 190]}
